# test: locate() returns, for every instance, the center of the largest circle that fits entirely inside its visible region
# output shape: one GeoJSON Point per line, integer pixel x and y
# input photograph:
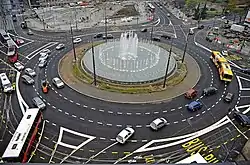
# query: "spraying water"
{"type": "Point", "coordinates": [128, 46]}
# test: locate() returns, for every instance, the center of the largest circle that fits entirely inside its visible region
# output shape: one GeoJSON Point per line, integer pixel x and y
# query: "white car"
{"type": "Point", "coordinates": [77, 40]}
{"type": "Point", "coordinates": [57, 82]}
{"type": "Point", "coordinates": [224, 53]}
{"type": "Point", "coordinates": [60, 46]}
{"type": "Point", "coordinates": [124, 135]}
{"type": "Point", "coordinates": [43, 56]}
{"type": "Point", "coordinates": [158, 123]}
{"type": "Point", "coordinates": [18, 66]}
{"type": "Point", "coordinates": [30, 72]}
{"type": "Point", "coordinates": [42, 63]}
{"type": "Point", "coordinates": [46, 51]}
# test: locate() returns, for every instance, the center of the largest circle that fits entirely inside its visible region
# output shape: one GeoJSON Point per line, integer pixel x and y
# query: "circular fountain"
{"type": "Point", "coordinates": [129, 60]}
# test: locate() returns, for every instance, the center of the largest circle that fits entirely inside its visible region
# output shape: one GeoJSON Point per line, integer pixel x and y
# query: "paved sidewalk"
{"type": "Point", "coordinates": [192, 78]}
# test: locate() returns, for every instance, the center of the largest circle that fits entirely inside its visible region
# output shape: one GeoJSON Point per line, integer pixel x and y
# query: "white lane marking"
{"type": "Point", "coordinates": [101, 110]}
{"type": "Point", "coordinates": [78, 104]}
{"type": "Point", "coordinates": [92, 108]}
{"type": "Point", "coordinates": [66, 113]}
{"type": "Point", "coordinates": [73, 116]}
{"type": "Point", "coordinates": [109, 124]}
{"type": "Point", "coordinates": [100, 123]}
{"type": "Point", "coordinates": [81, 118]}
{"type": "Point", "coordinates": [91, 121]}
{"type": "Point", "coordinates": [53, 124]}
{"type": "Point", "coordinates": [59, 110]}
{"type": "Point", "coordinates": [110, 112]}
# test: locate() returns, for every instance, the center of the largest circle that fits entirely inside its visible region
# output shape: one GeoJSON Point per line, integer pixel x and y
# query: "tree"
{"type": "Point", "coordinates": [191, 4]}
{"type": "Point", "coordinates": [231, 5]}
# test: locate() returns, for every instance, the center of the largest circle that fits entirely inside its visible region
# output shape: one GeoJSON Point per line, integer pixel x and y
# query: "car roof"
{"type": "Point", "coordinates": [26, 76]}
{"type": "Point", "coordinates": [124, 132]}
{"type": "Point", "coordinates": [229, 94]}
{"type": "Point", "coordinates": [37, 99]}
{"type": "Point", "coordinates": [190, 91]}
{"type": "Point", "coordinates": [157, 121]}
{"type": "Point", "coordinates": [193, 103]}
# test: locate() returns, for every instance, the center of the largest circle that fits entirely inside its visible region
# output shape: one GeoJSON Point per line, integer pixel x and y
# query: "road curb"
{"type": "Point", "coordinates": [128, 102]}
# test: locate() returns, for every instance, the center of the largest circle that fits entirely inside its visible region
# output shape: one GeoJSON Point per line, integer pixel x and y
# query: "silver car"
{"type": "Point", "coordinates": [57, 82]}
{"type": "Point", "coordinates": [158, 123]}
{"type": "Point", "coordinates": [27, 80]}
{"type": "Point", "coordinates": [38, 103]}
{"type": "Point", "coordinates": [30, 72]}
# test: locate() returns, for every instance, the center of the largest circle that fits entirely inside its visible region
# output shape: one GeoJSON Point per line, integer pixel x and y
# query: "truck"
{"type": "Point", "coordinates": [237, 28]}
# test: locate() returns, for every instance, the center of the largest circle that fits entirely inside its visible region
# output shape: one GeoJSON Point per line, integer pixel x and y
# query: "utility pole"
{"type": "Point", "coordinates": [93, 59]}
{"type": "Point", "coordinates": [73, 45]}
{"type": "Point", "coordinates": [106, 29]}
{"type": "Point", "coordinates": [166, 73]}
{"type": "Point", "coordinates": [185, 49]}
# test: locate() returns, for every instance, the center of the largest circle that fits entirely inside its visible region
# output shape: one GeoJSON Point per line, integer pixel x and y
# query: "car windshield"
{"type": "Point", "coordinates": [30, 71]}
{"type": "Point", "coordinates": [58, 81]}
{"type": "Point", "coordinates": [120, 138]}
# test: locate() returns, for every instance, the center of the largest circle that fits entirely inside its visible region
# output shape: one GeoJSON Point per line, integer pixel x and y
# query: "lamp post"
{"type": "Point", "coordinates": [166, 73]}
{"type": "Point", "coordinates": [93, 60]}
{"type": "Point", "coordinates": [73, 45]}
{"type": "Point", "coordinates": [106, 29]}
{"type": "Point", "coordinates": [185, 49]}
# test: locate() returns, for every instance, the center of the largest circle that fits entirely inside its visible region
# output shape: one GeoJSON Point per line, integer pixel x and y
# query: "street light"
{"type": "Point", "coordinates": [93, 59]}
{"type": "Point", "coordinates": [73, 45]}
{"type": "Point", "coordinates": [166, 73]}
{"type": "Point", "coordinates": [185, 49]}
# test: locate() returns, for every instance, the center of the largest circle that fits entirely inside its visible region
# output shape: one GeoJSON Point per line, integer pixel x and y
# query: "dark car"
{"type": "Point", "coordinates": [98, 35]}
{"type": "Point", "coordinates": [201, 27]}
{"type": "Point", "coordinates": [244, 120]}
{"type": "Point", "coordinates": [158, 39]}
{"type": "Point", "coordinates": [245, 70]}
{"type": "Point", "coordinates": [166, 36]}
{"type": "Point", "coordinates": [210, 91]}
{"type": "Point", "coordinates": [27, 80]}
{"type": "Point", "coordinates": [194, 106]}
{"type": "Point", "coordinates": [229, 97]}
{"type": "Point", "coordinates": [144, 30]}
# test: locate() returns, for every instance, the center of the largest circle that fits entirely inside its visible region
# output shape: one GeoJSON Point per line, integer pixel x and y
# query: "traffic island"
{"type": "Point", "coordinates": [185, 76]}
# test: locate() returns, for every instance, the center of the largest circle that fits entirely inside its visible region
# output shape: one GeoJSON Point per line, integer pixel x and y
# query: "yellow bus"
{"type": "Point", "coordinates": [223, 66]}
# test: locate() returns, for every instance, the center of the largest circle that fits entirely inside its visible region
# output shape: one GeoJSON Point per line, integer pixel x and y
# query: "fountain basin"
{"type": "Point", "coordinates": [147, 66]}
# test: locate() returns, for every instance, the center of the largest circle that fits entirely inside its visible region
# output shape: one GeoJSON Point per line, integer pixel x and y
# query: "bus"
{"type": "Point", "coordinates": [196, 158]}
{"type": "Point", "coordinates": [5, 83]}
{"type": "Point", "coordinates": [4, 37]}
{"type": "Point", "coordinates": [12, 51]}
{"type": "Point", "coordinates": [222, 65]}
{"type": "Point", "coordinates": [151, 7]}
{"type": "Point", "coordinates": [20, 145]}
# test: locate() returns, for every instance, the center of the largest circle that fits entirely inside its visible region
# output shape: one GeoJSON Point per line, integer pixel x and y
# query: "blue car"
{"type": "Point", "coordinates": [194, 106]}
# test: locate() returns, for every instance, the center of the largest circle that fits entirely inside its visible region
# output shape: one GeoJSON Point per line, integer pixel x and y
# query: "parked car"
{"type": "Point", "coordinates": [191, 93]}
{"type": "Point", "coordinates": [45, 86]}
{"type": "Point", "coordinates": [47, 51]}
{"type": "Point", "coordinates": [27, 80]}
{"type": "Point", "coordinates": [98, 35]}
{"type": "Point", "coordinates": [158, 39]}
{"type": "Point", "coordinates": [42, 63]}
{"type": "Point", "coordinates": [110, 36]}
{"type": "Point", "coordinates": [57, 82]}
{"type": "Point", "coordinates": [30, 32]}
{"type": "Point", "coordinates": [77, 40]}
{"type": "Point", "coordinates": [158, 123]}
{"type": "Point", "coordinates": [166, 36]}
{"type": "Point", "coordinates": [243, 120]}
{"type": "Point", "coordinates": [210, 91]}
{"type": "Point", "coordinates": [201, 27]}
{"type": "Point", "coordinates": [229, 97]}
{"type": "Point", "coordinates": [60, 46]}
{"type": "Point", "coordinates": [38, 103]}
{"type": "Point", "coordinates": [30, 72]}
{"type": "Point", "coordinates": [144, 30]}
{"type": "Point", "coordinates": [224, 52]}
{"type": "Point", "coordinates": [43, 56]}
{"type": "Point", "coordinates": [124, 135]}
{"type": "Point", "coordinates": [194, 106]}
{"type": "Point", "coordinates": [18, 66]}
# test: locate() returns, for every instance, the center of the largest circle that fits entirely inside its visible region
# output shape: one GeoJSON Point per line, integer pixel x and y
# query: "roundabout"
{"type": "Point", "coordinates": [81, 120]}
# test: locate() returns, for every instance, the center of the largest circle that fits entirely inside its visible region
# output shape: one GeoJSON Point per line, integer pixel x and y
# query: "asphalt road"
{"type": "Point", "coordinates": [102, 120]}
